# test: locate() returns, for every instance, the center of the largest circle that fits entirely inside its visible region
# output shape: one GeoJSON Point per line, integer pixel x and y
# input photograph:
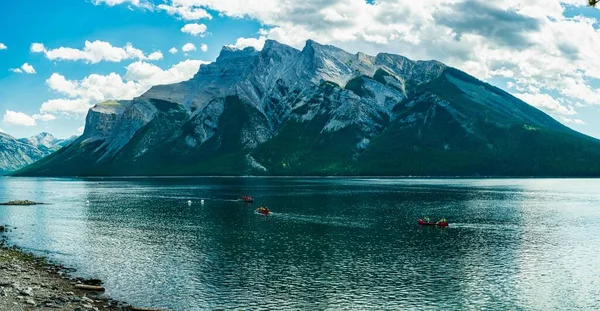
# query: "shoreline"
{"type": "Point", "coordinates": [30, 282]}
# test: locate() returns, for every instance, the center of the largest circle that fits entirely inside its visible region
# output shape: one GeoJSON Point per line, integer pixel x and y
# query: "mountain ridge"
{"type": "Point", "coordinates": [18, 153]}
{"type": "Point", "coordinates": [320, 111]}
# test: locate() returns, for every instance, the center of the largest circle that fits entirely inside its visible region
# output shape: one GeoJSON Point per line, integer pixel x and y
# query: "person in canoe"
{"type": "Point", "coordinates": [263, 210]}
{"type": "Point", "coordinates": [426, 219]}
{"type": "Point", "coordinates": [247, 199]}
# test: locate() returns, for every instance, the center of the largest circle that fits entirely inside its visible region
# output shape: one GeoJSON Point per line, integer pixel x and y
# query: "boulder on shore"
{"type": "Point", "coordinates": [21, 202]}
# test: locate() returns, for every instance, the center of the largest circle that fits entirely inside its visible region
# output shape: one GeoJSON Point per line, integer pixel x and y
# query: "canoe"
{"type": "Point", "coordinates": [263, 212]}
{"type": "Point", "coordinates": [439, 224]}
{"type": "Point", "coordinates": [247, 199]}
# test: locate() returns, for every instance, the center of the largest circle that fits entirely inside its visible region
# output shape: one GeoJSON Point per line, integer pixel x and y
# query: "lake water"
{"type": "Point", "coordinates": [331, 244]}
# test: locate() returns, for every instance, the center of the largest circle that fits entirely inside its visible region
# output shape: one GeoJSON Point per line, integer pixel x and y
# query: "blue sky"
{"type": "Point", "coordinates": [545, 52]}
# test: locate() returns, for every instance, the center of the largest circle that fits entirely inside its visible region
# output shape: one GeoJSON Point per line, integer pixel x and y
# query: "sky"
{"type": "Point", "coordinates": [59, 58]}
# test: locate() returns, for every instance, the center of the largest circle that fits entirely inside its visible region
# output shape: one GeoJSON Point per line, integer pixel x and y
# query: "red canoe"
{"type": "Point", "coordinates": [247, 199]}
{"type": "Point", "coordinates": [263, 211]}
{"type": "Point", "coordinates": [439, 224]}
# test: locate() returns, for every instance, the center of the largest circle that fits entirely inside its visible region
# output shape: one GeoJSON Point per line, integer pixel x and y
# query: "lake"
{"type": "Point", "coordinates": [331, 243]}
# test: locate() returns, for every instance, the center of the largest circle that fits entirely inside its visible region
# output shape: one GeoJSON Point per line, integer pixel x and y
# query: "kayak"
{"type": "Point", "coordinates": [439, 224]}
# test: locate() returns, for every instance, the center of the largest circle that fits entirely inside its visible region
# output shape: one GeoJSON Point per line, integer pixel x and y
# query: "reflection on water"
{"type": "Point", "coordinates": [330, 244]}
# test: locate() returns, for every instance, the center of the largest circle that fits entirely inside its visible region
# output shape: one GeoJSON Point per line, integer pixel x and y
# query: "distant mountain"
{"type": "Point", "coordinates": [46, 142]}
{"type": "Point", "coordinates": [15, 154]}
{"type": "Point", "coordinates": [18, 153]}
{"type": "Point", "coordinates": [323, 111]}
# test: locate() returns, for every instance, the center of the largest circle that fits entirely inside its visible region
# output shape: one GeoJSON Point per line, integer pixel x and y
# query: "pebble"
{"type": "Point", "coordinates": [27, 292]}
{"type": "Point", "coordinates": [30, 302]}
{"type": "Point", "coordinates": [86, 299]}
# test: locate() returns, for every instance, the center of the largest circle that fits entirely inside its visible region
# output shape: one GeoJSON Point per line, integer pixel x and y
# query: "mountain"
{"type": "Point", "coordinates": [18, 153]}
{"type": "Point", "coordinates": [323, 111]}
{"type": "Point", "coordinates": [46, 142]}
{"type": "Point", "coordinates": [15, 154]}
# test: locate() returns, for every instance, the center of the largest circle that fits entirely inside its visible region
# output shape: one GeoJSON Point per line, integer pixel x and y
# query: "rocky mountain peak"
{"type": "Point", "coordinates": [17, 153]}
{"type": "Point", "coordinates": [228, 52]}
{"type": "Point", "coordinates": [321, 111]}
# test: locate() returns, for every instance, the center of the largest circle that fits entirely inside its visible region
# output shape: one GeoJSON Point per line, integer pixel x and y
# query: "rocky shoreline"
{"type": "Point", "coordinates": [28, 282]}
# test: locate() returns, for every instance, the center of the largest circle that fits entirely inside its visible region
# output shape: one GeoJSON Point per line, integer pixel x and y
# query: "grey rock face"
{"type": "Point", "coordinates": [218, 121]}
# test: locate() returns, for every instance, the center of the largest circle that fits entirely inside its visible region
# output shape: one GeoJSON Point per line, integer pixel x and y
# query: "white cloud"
{"type": "Point", "coordinates": [136, 3]}
{"type": "Point", "coordinates": [188, 47]}
{"type": "Point", "coordinates": [28, 68]}
{"type": "Point", "coordinates": [204, 48]}
{"type": "Point", "coordinates": [242, 43]}
{"type": "Point", "coordinates": [44, 117]}
{"type": "Point", "coordinates": [149, 75]}
{"type": "Point", "coordinates": [194, 29]}
{"type": "Point", "coordinates": [68, 106]}
{"type": "Point", "coordinates": [140, 77]}
{"type": "Point", "coordinates": [546, 102]}
{"type": "Point", "coordinates": [80, 130]}
{"type": "Point", "coordinates": [18, 118]}
{"type": "Point", "coordinates": [572, 121]}
{"type": "Point", "coordinates": [173, 50]}
{"type": "Point", "coordinates": [92, 89]}
{"type": "Point", "coordinates": [37, 47]}
{"type": "Point", "coordinates": [155, 56]}
{"type": "Point", "coordinates": [185, 12]}
{"type": "Point", "coordinates": [3, 46]}
{"type": "Point", "coordinates": [25, 68]}
{"type": "Point", "coordinates": [95, 52]}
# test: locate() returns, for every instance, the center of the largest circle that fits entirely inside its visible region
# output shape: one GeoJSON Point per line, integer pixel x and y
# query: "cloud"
{"type": "Point", "coordinates": [80, 130]}
{"type": "Point", "coordinates": [185, 11]}
{"type": "Point", "coordinates": [3, 46]}
{"type": "Point", "coordinates": [242, 43]}
{"type": "Point", "coordinates": [44, 117]}
{"type": "Point", "coordinates": [149, 75]}
{"type": "Point", "coordinates": [37, 48]}
{"type": "Point", "coordinates": [136, 3]}
{"type": "Point", "coordinates": [139, 78]}
{"type": "Point", "coordinates": [546, 102]}
{"type": "Point", "coordinates": [92, 89]}
{"type": "Point", "coordinates": [572, 121]}
{"type": "Point", "coordinates": [68, 106]}
{"type": "Point", "coordinates": [204, 48]}
{"type": "Point", "coordinates": [173, 50]}
{"type": "Point", "coordinates": [95, 52]}
{"type": "Point", "coordinates": [194, 29]}
{"type": "Point", "coordinates": [495, 24]}
{"type": "Point", "coordinates": [188, 47]}
{"type": "Point", "coordinates": [25, 68]}
{"type": "Point", "coordinates": [18, 118]}
{"type": "Point", "coordinates": [154, 56]}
